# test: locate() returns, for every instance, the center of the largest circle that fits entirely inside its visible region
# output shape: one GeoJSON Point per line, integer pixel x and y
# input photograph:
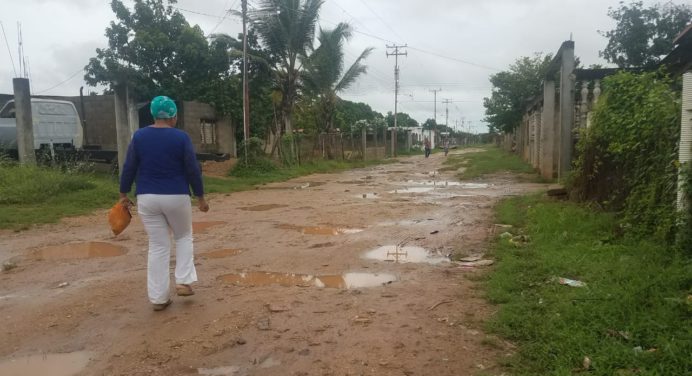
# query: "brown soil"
{"type": "Point", "coordinates": [327, 311]}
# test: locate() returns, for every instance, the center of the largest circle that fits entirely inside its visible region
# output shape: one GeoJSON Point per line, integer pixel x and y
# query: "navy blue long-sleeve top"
{"type": "Point", "coordinates": [162, 161]}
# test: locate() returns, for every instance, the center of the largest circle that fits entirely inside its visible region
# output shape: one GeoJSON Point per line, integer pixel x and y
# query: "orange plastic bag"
{"type": "Point", "coordinates": [119, 218]}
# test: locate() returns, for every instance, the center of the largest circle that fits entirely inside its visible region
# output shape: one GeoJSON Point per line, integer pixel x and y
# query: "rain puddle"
{"type": "Point", "coordinates": [413, 190]}
{"type": "Point", "coordinates": [67, 364]}
{"type": "Point", "coordinates": [221, 253]}
{"type": "Point", "coordinates": [219, 371]}
{"type": "Point", "coordinates": [393, 253]}
{"type": "Point", "coordinates": [201, 227]}
{"type": "Point", "coordinates": [475, 185]}
{"type": "Point", "coordinates": [79, 251]}
{"type": "Point", "coordinates": [264, 207]}
{"type": "Point", "coordinates": [318, 230]}
{"type": "Point", "coordinates": [435, 183]}
{"type": "Point", "coordinates": [367, 195]}
{"type": "Point", "coordinates": [344, 281]}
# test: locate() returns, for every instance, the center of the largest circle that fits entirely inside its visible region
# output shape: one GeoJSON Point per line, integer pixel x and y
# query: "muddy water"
{"type": "Point", "coordinates": [264, 207]}
{"type": "Point", "coordinates": [367, 195]}
{"type": "Point", "coordinates": [201, 227]}
{"type": "Point", "coordinates": [392, 253]}
{"type": "Point", "coordinates": [67, 364]}
{"type": "Point", "coordinates": [343, 281]}
{"type": "Point", "coordinates": [317, 230]}
{"type": "Point", "coordinates": [221, 253]}
{"type": "Point", "coordinates": [78, 251]}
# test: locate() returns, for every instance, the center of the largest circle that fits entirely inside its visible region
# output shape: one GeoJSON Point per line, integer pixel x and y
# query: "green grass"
{"type": "Point", "coordinates": [36, 195]}
{"type": "Point", "coordinates": [635, 287]}
{"type": "Point", "coordinates": [488, 161]}
{"type": "Point", "coordinates": [30, 195]}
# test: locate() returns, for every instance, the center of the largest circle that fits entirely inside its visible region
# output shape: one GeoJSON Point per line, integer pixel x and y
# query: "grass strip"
{"type": "Point", "coordinates": [489, 160]}
{"type": "Point", "coordinates": [631, 318]}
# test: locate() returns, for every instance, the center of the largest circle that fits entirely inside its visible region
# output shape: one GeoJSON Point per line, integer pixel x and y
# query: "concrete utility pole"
{"type": "Point", "coordinates": [25, 122]}
{"type": "Point", "coordinates": [246, 91]}
{"type": "Point", "coordinates": [396, 55]}
{"type": "Point", "coordinates": [447, 102]}
{"type": "Point", "coordinates": [434, 91]}
{"type": "Point", "coordinates": [122, 123]}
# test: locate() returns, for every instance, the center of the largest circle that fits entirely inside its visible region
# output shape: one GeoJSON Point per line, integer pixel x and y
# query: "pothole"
{"type": "Point", "coordinates": [367, 195]}
{"type": "Point", "coordinates": [221, 253]}
{"type": "Point", "coordinates": [320, 230]}
{"type": "Point", "coordinates": [78, 251]}
{"type": "Point", "coordinates": [436, 183]}
{"type": "Point", "coordinates": [343, 281]}
{"type": "Point", "coordinates": [202, 227]}
{"type": "Point", "coordinates": [412, 190]}
{"type": "Point", "coordinates": [263, 207]}
{"type": "Point", "coordinates": [393, 253]}
{"type": "Point", "coordinates": [67, 364]}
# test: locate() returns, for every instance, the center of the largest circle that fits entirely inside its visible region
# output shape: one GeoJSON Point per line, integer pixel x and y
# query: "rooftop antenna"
{"type": "Point", "coordinates": [7, 43]}
{"type": "Point", "coordinates": [570, 36]}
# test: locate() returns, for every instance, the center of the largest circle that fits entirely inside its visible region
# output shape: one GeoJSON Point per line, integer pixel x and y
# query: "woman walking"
{"type": "Point", "coordinates": [162, 161]}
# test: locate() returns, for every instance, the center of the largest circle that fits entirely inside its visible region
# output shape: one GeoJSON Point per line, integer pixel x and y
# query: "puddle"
{"type": "Point", "coordinates": [344, 281]}
{"type": "Point", "coordinates": [219, 371]}
{"type": "Point", "coordinates": [221, 253]}
{"type": "Point", "coordinates": [79, 251]}
{"type": "Point", "coordinates": [367, 195]}
{"type": "Point", "coordinates": [201, 227]}
{"type": "Point", "coordinates": [475, 185]}
{"type": "Point", "coordinates": [318, 230]}
{"type": "Point", "coordinates": [436, 183]}
{"type": "Point", "coordinates": [406, 222]}
{"type": "Point", "coordinates": [413, 190]}
{"type": "Point", "coordinates": [264, 207]}
{"type": "Point", "coordinates": [67, 364]}
{"type": "Point", "coordinates": [392, 253]}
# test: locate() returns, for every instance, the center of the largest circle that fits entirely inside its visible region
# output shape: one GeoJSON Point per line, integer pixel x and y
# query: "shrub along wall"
{"type": "Point", "coordinates": [628, 156]}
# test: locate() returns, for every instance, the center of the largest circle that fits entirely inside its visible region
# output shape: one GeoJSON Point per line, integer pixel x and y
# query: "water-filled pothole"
{"type": "Point", "coordinates": [201, 227]}
{"type": "Point", "coordinates": [221, 253]}
{"type": "Point", "coordinates": [343, 281]}
{"type": "Point", "coordinates": [263, 207]}
{"type": "Point", "coordinates": [319, 230]}
{"type": "Point", "coordinates": [413, 190]}
{"type": "Point", "coordinates": [78, 251]}
{"type": "Point", "coordinates": [393, 253]}
{"type": "Point", "coordinates": [67, 364]}
{"type": "Point", "coordinates": [367, 195]}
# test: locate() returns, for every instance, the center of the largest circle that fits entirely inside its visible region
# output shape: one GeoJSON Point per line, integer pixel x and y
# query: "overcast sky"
{"type": "Point", "coordinates": [454, 45]}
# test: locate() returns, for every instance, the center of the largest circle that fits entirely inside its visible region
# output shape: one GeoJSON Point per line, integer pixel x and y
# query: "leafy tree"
{"type": "Point", "coordinates": [430, 124]}
{"type": "Point", "coordinates": [348, 113]}
{"type": "Point", "coordinates": [643, 36]}
{"type": "Point", "coordinates": [155, 51]}
{"type": "Point", "coordinates": [324, 75]}
{"type": "Point", "coordinates": [402, 120]}
{"type": "Point", "coordinates": [287, 29]}
{"type": "Point", "coordinates": [511, 90]}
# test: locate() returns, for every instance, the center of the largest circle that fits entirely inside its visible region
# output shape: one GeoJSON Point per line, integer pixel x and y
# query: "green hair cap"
{"type": "Point", "coordinates": [163, 107]}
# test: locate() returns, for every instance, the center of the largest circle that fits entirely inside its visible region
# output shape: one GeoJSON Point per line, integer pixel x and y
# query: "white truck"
{"type": "Point", "coordinates": [56, 125]}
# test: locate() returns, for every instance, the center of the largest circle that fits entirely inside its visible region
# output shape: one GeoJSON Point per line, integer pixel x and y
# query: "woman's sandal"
{"type": "Point", "coordinates": [161, 306]}
{"type": "Point", "coordinates": [184, 290]}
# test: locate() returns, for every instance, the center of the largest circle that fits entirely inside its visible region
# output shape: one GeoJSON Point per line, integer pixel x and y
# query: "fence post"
{"type": "Point", "coordinates": [364, 141]}
{"type": "Point", "coordinates": [566, 109]}
{"type": "Point", "coordinates": [24, 120]}
{"type": "Point", "coordinates": [685, 149]}
{"type": "Point", "coordinates": [548, 130]}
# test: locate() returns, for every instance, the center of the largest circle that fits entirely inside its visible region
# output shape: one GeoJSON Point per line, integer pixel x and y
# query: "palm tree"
{"type": "Point", "coordinates": [323, 77]}
{"type": "Point", "coordinates": [287, 28]}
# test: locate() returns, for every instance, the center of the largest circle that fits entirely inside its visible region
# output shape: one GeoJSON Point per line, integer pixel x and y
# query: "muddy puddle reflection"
{"type": "Point", "coordinates": [393, 253]}
{"type": "Point", "coordinates": [343, 281]}
{"type": "Point", "coordinates": [263, 207]}
{"type": "Point", "coordinates": [202, 227]}
{"type": "Point", "coordinates": [220, 253]}
{"type": "Point", "coordinates": [320, 230]}
{"type": "Point", "coordinates": [67, 364]}
{"type": "Point", "coordinates": [73, 251]}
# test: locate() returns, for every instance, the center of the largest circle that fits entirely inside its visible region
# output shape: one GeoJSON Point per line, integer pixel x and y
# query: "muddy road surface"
{"type": "Point", "coordinates": [332, 274]}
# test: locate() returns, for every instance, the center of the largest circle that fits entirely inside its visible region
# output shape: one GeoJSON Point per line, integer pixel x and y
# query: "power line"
{"type": "Point", "coordinates": [226, 14]}
{"type": "Point", "coordinates": [8, 48]}
{"type": "Point", "coordinates": [62, 82]}
{"type": "Point", "coordinates": [381, 20]}
{"type": "Point", "coordinates": [454, 59]}
{"type": "Point", "coordinates": [198, 13]}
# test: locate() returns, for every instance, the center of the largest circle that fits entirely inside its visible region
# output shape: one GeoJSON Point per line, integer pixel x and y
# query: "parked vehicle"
{"type": "Point", "coordinates": [56, 125]}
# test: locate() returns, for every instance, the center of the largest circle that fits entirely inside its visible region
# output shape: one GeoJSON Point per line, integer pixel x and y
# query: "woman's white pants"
{"type": "Point", "coordinates": [158, 214]}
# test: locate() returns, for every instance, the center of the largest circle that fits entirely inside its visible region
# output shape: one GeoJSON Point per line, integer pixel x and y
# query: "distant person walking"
{"type": "Point", "coordinates": [426, 143]}
{"type": "Point", "coordinates": [446, 146]}
{"type": "Point", "coordinates": [162, 161]}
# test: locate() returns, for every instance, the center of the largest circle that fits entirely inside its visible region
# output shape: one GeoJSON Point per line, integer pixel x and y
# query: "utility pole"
{"type": "Point", "coordinates": [447, 102]}
{"type": "Point", "coordinates": [396, 55]}
{"type": "Point", "coordinates": [246, 91]}
{"type": "Point", "coordinates": [435, 91]}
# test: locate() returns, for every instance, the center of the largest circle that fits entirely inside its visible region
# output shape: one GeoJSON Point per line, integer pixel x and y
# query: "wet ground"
{"type": "Point", "coordinates": [331, 274]}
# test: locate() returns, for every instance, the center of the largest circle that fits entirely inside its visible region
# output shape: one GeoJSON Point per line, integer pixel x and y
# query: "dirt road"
{"type": "Point", "coordinates": [294, 280]}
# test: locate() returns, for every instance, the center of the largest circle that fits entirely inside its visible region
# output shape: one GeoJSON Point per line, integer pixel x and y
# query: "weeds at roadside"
{"type": "Point", "coordinates": [632, 317]}
{"type": "Point", "coordinates": [488, 161]}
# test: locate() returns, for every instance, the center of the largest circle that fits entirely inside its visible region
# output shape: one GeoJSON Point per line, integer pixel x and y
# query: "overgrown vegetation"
{"type": "Point", "coordinates": [627, 158]}
{"type": "Point", "coordinates": [490, 160]}
{"type": "Point", "coordinates": [631, 318]}
{"type": "Point", "coordinates": [30, 194]}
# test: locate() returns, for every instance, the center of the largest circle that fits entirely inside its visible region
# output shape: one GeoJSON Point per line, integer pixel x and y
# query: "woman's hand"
{"type": "Point", "coordinates": [202, 204]}
{"type": "Point", "coordinates": [125, 201]}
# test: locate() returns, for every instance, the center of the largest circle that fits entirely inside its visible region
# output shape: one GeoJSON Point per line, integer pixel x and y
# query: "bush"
{"type": "Point", "coordinates": [252, 160]}
{"type": "Point", "coordinates": [30, 185]}
{"type": "Point", "coordinates": [627, 158]}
